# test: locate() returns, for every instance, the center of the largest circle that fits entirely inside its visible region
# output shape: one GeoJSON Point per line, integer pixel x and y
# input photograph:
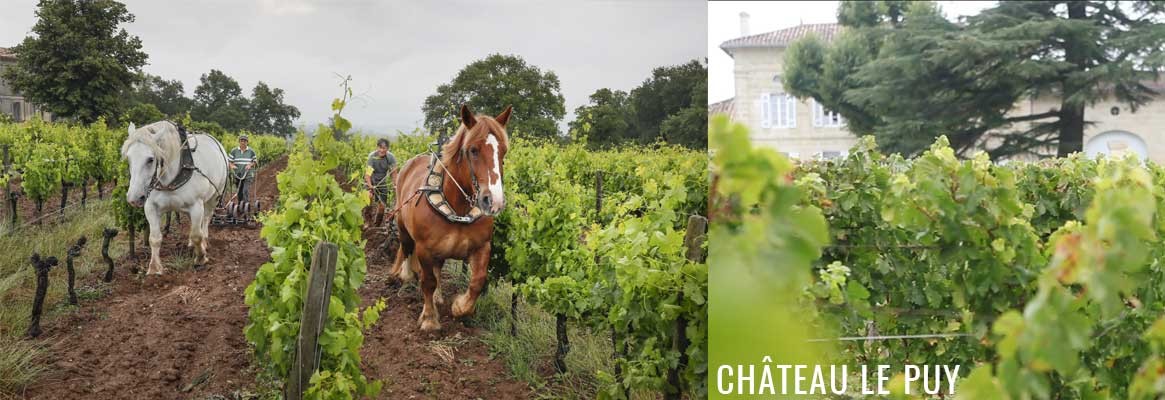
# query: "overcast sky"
{"type": "Point", "coordinates": [398, 52]}
{"type": "Point", "coordinates": [724, 24]}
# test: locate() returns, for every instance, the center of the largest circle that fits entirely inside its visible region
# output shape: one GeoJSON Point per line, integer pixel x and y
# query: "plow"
{"type": "Point", "coordinates": [234, 211]}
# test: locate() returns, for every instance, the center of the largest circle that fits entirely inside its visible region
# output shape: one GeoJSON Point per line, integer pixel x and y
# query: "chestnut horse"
{"type": "Point", "coordinates": [472, 167]}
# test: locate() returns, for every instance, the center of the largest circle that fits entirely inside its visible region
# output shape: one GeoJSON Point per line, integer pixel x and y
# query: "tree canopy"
{"type": "Point", "coordinates": [606, 120]}
{"type": "Point", "coordinates": [269, 113]}
{"type": "Point", "coordinates": [903, 73]}
{"type": "Point", "coordinates": [668, 91]}
{"type": "Point", "coordinates": [167, 96]}
{"type": "Point", "coordinates": [79, 60]}
{"type": "Point", "coordinates": [219, 99]}
{"type": "Point", "coordinates": [670, 106]}
{"type": "Point", "coordinates": [489, 85]}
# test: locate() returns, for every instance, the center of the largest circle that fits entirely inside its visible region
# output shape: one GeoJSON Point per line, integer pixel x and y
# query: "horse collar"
{"type": "Point", "coordinates": [434, 191]}
{"type": "Point", "coordinates": [184, 173]}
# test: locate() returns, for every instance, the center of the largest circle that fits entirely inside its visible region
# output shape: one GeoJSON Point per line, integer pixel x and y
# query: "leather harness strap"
{"type": "Point", "coordinates": [433, 191]}
{"type": "Point", "coordinates": [186, 161]}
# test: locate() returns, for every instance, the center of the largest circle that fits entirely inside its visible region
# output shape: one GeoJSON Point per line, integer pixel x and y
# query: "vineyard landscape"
{"type": "Point", "coordinates": [593, 290]}
{"type": "Point", "coordinates": [597, 275]}
{"type": "Point", "coordinates": [1040, 279]}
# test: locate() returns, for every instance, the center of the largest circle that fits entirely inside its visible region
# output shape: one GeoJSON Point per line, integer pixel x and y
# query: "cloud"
{"type": "Point", "coordinates": [398, 52]}
{"type": "Point", "coordinates": [287, 7]}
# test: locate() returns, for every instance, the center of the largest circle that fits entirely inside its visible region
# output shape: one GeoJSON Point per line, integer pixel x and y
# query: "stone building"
{"type": "Point", "coordinates": [12, 103]}
{"type": "Point", "coordinates": [803, 129]}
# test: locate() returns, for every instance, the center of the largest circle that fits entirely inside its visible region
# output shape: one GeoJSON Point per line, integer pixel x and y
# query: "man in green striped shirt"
{"type": "Point", "coordinates": [244, 160]}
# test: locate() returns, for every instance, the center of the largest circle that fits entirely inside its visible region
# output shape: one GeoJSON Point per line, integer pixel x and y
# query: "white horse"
{"type": "Point", "coordinates": [154, 153]}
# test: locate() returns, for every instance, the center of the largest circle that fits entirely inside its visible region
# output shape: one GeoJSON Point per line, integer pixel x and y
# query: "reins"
{"type": "Point", "coordinates": [445, 169]}
{"type": "Point", "coordinates": [184, 171]}
{"type": "Point", "coordinates": [470, 199]}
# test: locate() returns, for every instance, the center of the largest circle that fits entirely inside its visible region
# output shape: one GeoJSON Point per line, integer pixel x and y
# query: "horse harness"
{"type": "Point", "coordinates": [186, 171]}
{"type": "Point", "coordinates": [435, 194]}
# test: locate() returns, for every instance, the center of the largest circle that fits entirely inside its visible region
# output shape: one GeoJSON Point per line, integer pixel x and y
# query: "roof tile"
{"type": "Point", "coordinates": [723, 107]}
{"type": "Point", "coordinates": [783, 37]}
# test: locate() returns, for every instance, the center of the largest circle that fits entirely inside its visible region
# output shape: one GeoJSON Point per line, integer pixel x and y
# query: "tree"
{"type": "Point", "coordinates": [491, 84]}
{"type": "Point", "coordinates": [668, 91]}
{"type": "Point", "coordinates": [79, 60]}
{"type": "Point", "coordinates": [219, 99]}
{"type": "Point", "coordinates": [144, 113]}
{"type": "Point", "coordinates": [268, 112]}
{"type": "Point", "coordinates": [168, 96]}
{"type": "Point", "coordinates": [688, 127]}
{"type": "Point", "coordinates": [906, 74]}
{"type": "Point", "coordinates": [606, 120]}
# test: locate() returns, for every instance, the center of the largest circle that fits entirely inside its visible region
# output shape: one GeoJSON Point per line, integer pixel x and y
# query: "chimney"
{"type": "Point", "coordinates": [744, 31]}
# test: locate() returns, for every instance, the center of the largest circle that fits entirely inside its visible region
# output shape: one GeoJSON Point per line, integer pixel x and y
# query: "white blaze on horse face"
{"type": "Point", "coordinates": [496, 193]}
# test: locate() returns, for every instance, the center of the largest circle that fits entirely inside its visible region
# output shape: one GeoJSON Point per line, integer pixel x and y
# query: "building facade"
{"type": "Point", "coordinates": [11, 103]}
{"type": "Point", "coordinates": [800, 128]}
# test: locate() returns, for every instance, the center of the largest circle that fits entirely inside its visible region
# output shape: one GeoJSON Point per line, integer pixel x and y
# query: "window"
{"type": "Point", "coordinates": [824, 118]}
{"type": "Point", "coordinates": [778, 110]}
{"type": "Point", "coordinates": [830, 155]}
{"type": "Point", "coordinates": [16, 115]}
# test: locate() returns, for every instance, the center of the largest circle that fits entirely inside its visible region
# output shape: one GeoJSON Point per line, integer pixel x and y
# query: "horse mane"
{"type": "Point", "coordinates": [485, 125]}
{"type": "Point", "coordinates": [158, 137]}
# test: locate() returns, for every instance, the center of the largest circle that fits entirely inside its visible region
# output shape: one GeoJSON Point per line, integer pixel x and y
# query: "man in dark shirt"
{"type": "Point", "coordinates": [380, 163]}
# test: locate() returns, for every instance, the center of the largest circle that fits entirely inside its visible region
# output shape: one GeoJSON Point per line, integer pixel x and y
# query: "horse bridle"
{"type": "Point", "coordinates": [472, 199]}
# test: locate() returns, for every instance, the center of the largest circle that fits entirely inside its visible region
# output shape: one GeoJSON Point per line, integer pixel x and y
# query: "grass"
{"type": "Point", "coordinates": [529, 355]}
{"type": "Point", "coordinates": [21, 361]}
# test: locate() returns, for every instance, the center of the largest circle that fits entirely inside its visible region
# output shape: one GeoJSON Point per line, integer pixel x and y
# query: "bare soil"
{"type": "Point", "coordinates": [181, 336]}
{"type": "Point", "coordinates": [449, 364]}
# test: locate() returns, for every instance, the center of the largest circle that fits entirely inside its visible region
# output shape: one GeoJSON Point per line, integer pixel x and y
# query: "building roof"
{"type": "Point", "coordinates": [6, 54]}
{"type": "Point", "coordinates": [782, 37]}
{"type": "Point", "coordinates": [723, 107]}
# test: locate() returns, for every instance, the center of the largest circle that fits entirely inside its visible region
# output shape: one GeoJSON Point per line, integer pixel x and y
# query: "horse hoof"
{"type": "Point", "coordinates": [462, 307]}
{"type": "Point", "coordinates": [405, 277]}
{"type": "Point", "coordinates": [430, 325]}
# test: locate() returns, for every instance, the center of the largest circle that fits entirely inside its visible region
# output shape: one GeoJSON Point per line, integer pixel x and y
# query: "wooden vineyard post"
{"type": "Point", "coordinates": [74, 251]}
{"type": "Point", "coordinates": [695, 237]}
{"type": "Point", "coordinates": [132, 254]}
{"type": "Point", "coordinates": [563, 346]}
{"type": "Point", "coordinates": [514, 313]}
{"type": "Point", "coordinates": [12, 208]}
{"type": "Point", "coordinates": [41, 266]}
{"type": "Point", "coordinates": [694, 240]}
{"type": "Point", "coordinates": [315, 315]}
{"type": "Point", "coordinates": [39, 209]}
{"type": "Point", "coordinates": [11, 197]}
{"type": "Point", "coordinates": [106, 236]}
{"type": "Point", "coordinates": [64, 196]}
